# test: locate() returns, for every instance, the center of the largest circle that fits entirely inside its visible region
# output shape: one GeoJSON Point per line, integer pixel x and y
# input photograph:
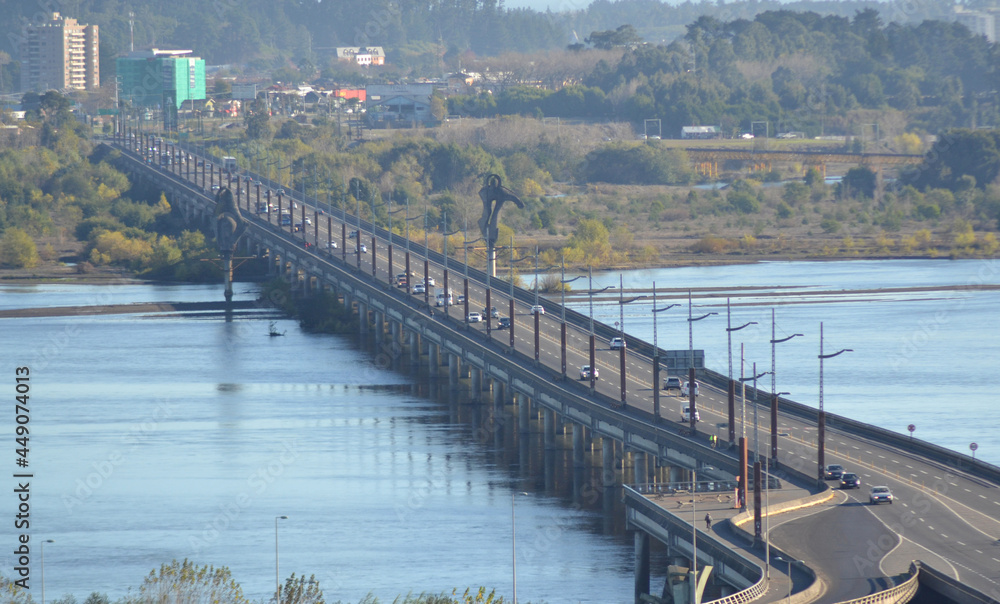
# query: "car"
{"type": "Point", "coordinates": [309, 221]}
{"type": "Point", "coordinates": [686, 414]}
{"type": "Point", "coordinates": [298, 226]}
{"type": "Point", "coordinates": [419, 288]}
{"type": "Point", "coordinates": [352, 235]}
{"type": "Point", "coordinates": [461, 298]}
{"type": "Point", "coordinates": [280, 192]}
{"type": "Point", "coordinates": [585, 373]}
{"type": "Point", "coordinates": [401, 282]}
{"type": "Point", "coordinates": [850, 480]}
{"type": "Point", "coordinates": [363, 249]}
{"type": "Point", "coordinates": [332, 245]}
{"type": "Point", "coordinates": [618, 343]}
{"type": "Point", "coordinates": [673, 383]}
{"type": "Point", "coordinates": [686, 389]}
{"type": "Point", "coordinates": [474, 317]}
{"type": "Point", "coordinates": [430, 281]}
{"type": "Point", "coordinates": [833, 472]}
{"type": "Point", "coordinates": [879, 494]}
{"type": "Point", "coordinates": [746, 135]}
{"type": "Point", "coordinates": [538, 309]}
{"type": "Point", "coordinates": [503, 323]}
{"type": "Point", "coordinates": [493, 312]}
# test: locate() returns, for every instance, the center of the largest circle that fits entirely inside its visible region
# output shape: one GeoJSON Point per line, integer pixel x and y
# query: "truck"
{"type": "Point", "coordinates": [445, 298]}
{"type": "Point", "coordinates": [286, 218]}
{"type": "Point", "coordinates": [229, 164]}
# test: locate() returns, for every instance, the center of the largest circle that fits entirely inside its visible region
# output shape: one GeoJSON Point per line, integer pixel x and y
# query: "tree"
{"type": "Point", "coordinates": [189, 583]}
{"type": "Point", "coordinates": [17, 249]}
{"type": "Point", "coordinates": [256, 120]}
{"type": "Point", "coordinates": [625, 35]}
{"type": "Point", "coordinates": [300, 591]}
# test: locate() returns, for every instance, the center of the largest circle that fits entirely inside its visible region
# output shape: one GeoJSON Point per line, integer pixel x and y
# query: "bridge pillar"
{"type": "Point", "coordinates": [639, 468]}
{"type": "Point", "coordinates": [414, 348]}
{"type": "Point", "coordinates": [476, 375]}
{"type": "Point", "coordinates": [524, 414]}
{"type": "Point", "coordinates": [607, 461]}
{"type": "Point", "coordinates": [433, 363]}
{"type": "Point", "coordinates": [363, 318]}
{"type": "Point", "coordinates": [379, 326]}
{"type": "Point", "coordinates": [578, 445]}
{"type": "Point", "coordinates": [453, 369]}
{"type": "Point", "coordinates": [641, 565]}
{"type": "Point", "coordinates": [497, 397]}
{"type": "Point", "coordinates": [676, 474]}
{"type": "Point", "coordinates": [549, 427]}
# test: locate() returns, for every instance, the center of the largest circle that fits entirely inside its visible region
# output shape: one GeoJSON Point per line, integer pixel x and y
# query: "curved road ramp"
{"type": "Point", "coordinates": [731, 564]}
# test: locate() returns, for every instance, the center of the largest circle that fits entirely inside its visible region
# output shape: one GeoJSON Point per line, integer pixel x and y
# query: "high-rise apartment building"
{"type": "Point", "coordinates": [60, 54]}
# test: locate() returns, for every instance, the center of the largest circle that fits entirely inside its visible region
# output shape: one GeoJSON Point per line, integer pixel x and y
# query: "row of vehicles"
{"type": "Point", "coordinates": [850, 480]}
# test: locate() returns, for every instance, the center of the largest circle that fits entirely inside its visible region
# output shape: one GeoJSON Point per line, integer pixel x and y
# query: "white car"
{"type": "Point", "coordinates": [686, 414]}
{"type": "Point", "coordinates": [474, 317]}
{"type": "Point", "coordinates": [685, 389]}
{"type": "Point", "coordinates": [419, 288]}
{"type": "Point", "coordinates": [362, 249]}
{"type": "Point", "coordinates": [430, 281]}
{"type": "Point", "coordinates": [538, 309]}
{"type": "Point", "coordinates": [585, 373]}
{"type": "Point", "coordinates": [332, 245]}
{"type": "Point", "coordinates": [879, 494]}
{"type": "Point", "coordinates": [617, 343]}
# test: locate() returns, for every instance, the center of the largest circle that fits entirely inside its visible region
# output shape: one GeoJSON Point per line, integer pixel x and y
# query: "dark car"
{"type": "Point", "coordinates": [850, 481]}
{"type": "Point", "coordinates": [833, 472]}
{"type": "Point", "coordinates": [503, 323]}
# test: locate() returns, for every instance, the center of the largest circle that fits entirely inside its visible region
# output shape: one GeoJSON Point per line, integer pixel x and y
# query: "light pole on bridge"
{"type": "Point", "coordinates": [656, 358]}
{"type": "Point", "coordinates": [821, 427]}
{"type": "Point", "coordinates": [732, 385]}
{"type": "Point", "coordinates": [692, 413]}
{"type": "Point", "coordinates": [774, 391]}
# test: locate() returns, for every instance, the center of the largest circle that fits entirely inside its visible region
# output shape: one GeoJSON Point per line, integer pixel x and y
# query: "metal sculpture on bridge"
{"type": "Point", "coordinates": [493, 195]}
{"type": "Point", "coordinates": [229, 227]}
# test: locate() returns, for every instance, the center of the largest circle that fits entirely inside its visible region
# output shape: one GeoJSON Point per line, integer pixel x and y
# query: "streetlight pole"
{"type": "Point", "coordinates": [621, 333]}
{"type": "Point", "coordinates": [277, 583]}
{"type": "Point", "coordinates": [43, 567]}
{"type": "Point", "coordinates": [732, 385]}
{"type": "Point", "coordinates": [593, 350]}
{"type": "Point", "coordinates": [774, 392]}
{"type": "Point", "coordinates": [789, 573]}
{"type": "Point", "coordinates": [512, 322]}
{"type": "Point", "coordinates": [563, 282]}
{"type": "Point", "coordinates": [656, 358]}
{"type": "Point", "coordinates": [821, 428]}
{"type": "Point", "coordinates": [691, 382]}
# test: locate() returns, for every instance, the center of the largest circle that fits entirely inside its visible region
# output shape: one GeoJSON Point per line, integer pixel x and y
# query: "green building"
{"type": "Point", "coordinates": [163, 79]}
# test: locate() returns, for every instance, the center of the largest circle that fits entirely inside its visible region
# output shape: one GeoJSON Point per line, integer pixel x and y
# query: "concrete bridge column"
{"type": "Point", "coordinates": [433, 358]}
{"type": "Point", "coordinates": [476, 375]}
{"type": "Point", "coordinates": [639, 467]}
{"type": "Point", "coordinates": [379, 326]}
{"type": "Point", "coordinates": [524, 415]}
{"type": "Point", "coordinates": [498, 388]}
{"type": "Point", "coordinates": [395, 331]}
{"type": "Point", "coordinates": [414, 348]}
{"type": "Point", "coordinates": [641, 565]}
{"type": "Point", "coordinates": [578, 445]}
{"type": "Point", "coordinates": [453, 368]}
{"type": "Point", "coordinates": [549, 428]}
{"type": "Point", "coordinates": [676, 474]}
{"type": "Point", "coordinates": [363, 318]}
{"type": "Point", "coordinates": [607, 461]}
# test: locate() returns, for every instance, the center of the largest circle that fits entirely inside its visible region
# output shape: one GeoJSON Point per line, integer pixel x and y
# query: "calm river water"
{"type": "Point", "coordinates": [158, 437]}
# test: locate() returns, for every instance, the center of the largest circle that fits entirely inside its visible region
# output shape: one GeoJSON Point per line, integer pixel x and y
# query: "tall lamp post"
{"type": "Point", "coordinates": [563, 282]}
{"type": "Point", "coordinates": [656, 357]}
{"type": "Point", "coordinates": [277, 583]}
{"type": "Point", "coordinates": [691, 383]}
{"type": "Point", "coordinates": [789, 562]}
{"type": "Point", "coordinates": [621, 318]}
{"type": "Point", "coordinates": [43, 567]}
{"type": "Point", "coordinates": [732, 385]}
{"type": "Point", "coordinates": [590, 296]}
{"type": "Point", "coordinates": [775, 393]}
{"type": "Point", "coordinates": [821, 429]}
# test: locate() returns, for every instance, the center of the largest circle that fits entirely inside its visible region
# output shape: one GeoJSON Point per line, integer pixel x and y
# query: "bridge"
{"type": "Point", "coordinates": [946, 505]}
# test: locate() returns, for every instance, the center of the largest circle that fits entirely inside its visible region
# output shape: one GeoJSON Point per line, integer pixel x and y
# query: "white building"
{"type": "Point", "coordinates": [399, 102]}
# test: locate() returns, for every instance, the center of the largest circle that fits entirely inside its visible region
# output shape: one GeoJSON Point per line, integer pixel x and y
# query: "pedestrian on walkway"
{"type": "Point", "coordinates": [708, 522]}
